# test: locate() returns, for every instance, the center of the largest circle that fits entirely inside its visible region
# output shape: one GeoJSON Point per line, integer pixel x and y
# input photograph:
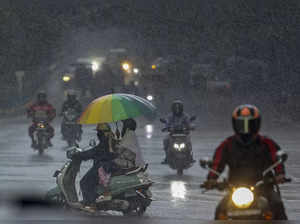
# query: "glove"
{"type": "Point", "coordinates": [280, 179]}
{"type": "Point", "coordinates": [75, 156]}
{"type": "Point", "coordinates": [210, 184]}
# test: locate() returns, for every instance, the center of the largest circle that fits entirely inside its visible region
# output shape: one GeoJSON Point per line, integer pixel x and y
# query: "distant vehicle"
{"type": "Point", "coordinates": [41, 135]}
{"type": "Point", "coordinates": [179, 152]}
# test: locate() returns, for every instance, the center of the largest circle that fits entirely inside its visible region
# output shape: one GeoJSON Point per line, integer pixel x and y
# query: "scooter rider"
{"type": "Point", "coordinates": [248, 154]}
{"type": "Point", "coordinates": [73, 103]}
{"type": "Point", "coordinates": [41, 108]}
{"type": "Point", "coordinates": [108, 157]}
{"type": "Point", "coordinates": [101, 155]}
{"type": "Point", "coordinates": [177, 119]}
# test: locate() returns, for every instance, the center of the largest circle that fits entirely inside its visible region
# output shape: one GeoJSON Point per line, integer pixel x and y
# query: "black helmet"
{"type": "Point", "coordinates": [128, 124]}
{"type": "Point", "coordinates": [42, 96]}
{"type": "Point", "coordinates": [177, 107]}
{"type": "Point", "coordinates": [246, 121]}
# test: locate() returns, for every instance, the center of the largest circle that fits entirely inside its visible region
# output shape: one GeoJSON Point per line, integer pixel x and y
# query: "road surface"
{"type": "Point", "coordinates": [178, 199]}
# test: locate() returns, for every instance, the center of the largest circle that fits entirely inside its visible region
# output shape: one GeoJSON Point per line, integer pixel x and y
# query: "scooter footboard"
{"type": "Point", "coordinates": [119, 184]}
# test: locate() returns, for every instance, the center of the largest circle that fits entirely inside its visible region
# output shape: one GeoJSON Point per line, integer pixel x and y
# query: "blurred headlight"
{"type": "Point", "coordinates": [66, 78]}
{"type": "Point", "coordinates": [135, 70]}
{"type": "Point", "coordinates": [126, 66]}
{"type": "Point", "coordinates": [95, 66]}
{"type": "Point", "coordinates": [150, 97]}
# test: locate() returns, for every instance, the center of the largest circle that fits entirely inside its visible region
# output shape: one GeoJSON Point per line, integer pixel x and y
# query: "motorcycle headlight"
{"type": "Point", "coordinates": [40, 125]}
{"type": "Point", "coordinates": [66, 78]}
{"type": "Point", "coordinates": [182, 145]}
{"type": "Point", "coordinates": [242, 197]}
{"type": "Point", "coordinates": [176, 146]}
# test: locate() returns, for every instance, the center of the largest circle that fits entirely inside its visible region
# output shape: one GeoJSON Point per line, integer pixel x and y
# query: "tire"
{"type": "Point", "coordinates": [180, 172]}
{"type": "Point", "coordinates": [41, 151]}
{"type": "Point", "coordinates": [136, 207]}
{"type": "Point", "coordinates": [40, 147]}
{"type": "Point", "coordinates": [71, 142]}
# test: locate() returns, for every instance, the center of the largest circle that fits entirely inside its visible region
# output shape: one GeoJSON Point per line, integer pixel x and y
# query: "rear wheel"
{"type": "Point", "coordinates": [40, 146]}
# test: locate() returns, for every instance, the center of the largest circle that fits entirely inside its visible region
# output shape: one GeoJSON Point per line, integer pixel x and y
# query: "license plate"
{"type": "Point", "coordinates": [181, 155]}
{"type": "Point", "coordinates": [247, 212]}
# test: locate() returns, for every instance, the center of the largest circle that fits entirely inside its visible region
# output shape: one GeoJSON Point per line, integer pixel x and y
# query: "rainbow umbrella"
{"type": "Point", "coordinates": [116, 107]}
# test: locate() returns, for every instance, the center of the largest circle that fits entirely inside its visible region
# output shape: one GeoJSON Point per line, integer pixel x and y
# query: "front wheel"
{"type": "Point", "coordinates": [41, 151]}
{"type": "Point", "coordinates": [137, 207]}
{"type": "Point", "coordinates": [71, 142]}
{"type": "Point", "coordinates": [180, 172]}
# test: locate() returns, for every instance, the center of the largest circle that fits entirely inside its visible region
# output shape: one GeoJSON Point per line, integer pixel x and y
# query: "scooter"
{"type": "Point", "coordinates": [71, 129]}
{"type": "Point", "coordinates": [179, 152]}
{"type": "Point", "coordinates": [130, 192]}
{"type": "Point", "coordinates": [244, 201]}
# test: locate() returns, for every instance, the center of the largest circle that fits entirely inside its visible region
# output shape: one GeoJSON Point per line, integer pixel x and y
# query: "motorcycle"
{"type": "Point", "coordinates": [130, 191]}
{"type": "Point", "coordinates": [41, 134]}
{"type": "Point", "coordinates": [244, 201]}
{"type": "Point", "coordinates": [71, 130]}
{"type": "Point", "coordinates": [179, 152]}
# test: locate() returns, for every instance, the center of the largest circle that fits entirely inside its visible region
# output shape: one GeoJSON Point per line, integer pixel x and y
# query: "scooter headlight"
{"type": "Point", "coordinates": [182, 145]}
{"type": "Point", "coordinates": [242, 197]}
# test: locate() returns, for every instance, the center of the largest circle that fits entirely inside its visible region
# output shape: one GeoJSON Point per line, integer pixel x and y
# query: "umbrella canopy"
{"type": "Point", "coordinates": [116, 107]}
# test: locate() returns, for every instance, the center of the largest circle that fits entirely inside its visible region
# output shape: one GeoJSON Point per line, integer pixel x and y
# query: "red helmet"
{"type": "Point", "coordinates": [246, 120]}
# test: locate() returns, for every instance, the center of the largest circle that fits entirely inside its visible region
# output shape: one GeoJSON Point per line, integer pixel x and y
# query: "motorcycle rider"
{"type": "Point", "coordinates": [107, 156]}
{"type": "Point", "coordinates": [177, 119]}
{"type": "Point", "coordinates": [41, 106]}
{"type": "Point", "coordinates": [248, 154]}
{"type": "Point", "coordinates": [71, 103]}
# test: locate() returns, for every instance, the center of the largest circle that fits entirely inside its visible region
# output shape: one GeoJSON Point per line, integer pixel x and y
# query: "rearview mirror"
{"type": "Point", "coordinates": [205, 162]}
{"type": "Point", "coordinates": [193, 118]}
{"type": "Point", "coordinates": [92, 143]}
{"type": "Point", "coordinates": [282, 155]}
{"type": "Point", "coordinates": [163, 120]}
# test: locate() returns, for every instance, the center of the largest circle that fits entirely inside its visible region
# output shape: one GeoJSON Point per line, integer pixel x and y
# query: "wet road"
{"type": "Point", "coordinates": [177, 198]}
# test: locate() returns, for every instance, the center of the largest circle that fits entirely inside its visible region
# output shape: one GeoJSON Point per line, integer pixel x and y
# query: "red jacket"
{"type": "Point", "coordinates": [37, 111]}
{"type": "Point", "coordinates": [246, 162]}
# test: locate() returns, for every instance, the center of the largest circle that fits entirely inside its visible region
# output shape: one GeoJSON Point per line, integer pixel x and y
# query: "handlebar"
{"type": "Point", "coordinates": [171, 129]}
{"type": "Point", "coordinates": [224, 184]}
{"type": "Point", "coordinates": [218, 185]}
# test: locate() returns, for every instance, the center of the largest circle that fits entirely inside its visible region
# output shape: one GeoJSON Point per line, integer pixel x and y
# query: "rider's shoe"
{"type": "Point", "coordinates": [88, 208]}
{"type": "Point", "coordinates": [49, 143]}
{"type": "Point", "coordinates": [33, 144]}
{"type": "Point", "coordinates": [104, 197]}
{"type": "Point", "coordinates": [76, 204]}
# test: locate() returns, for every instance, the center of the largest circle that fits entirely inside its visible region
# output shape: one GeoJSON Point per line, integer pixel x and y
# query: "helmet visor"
{"type": "Point", "coordinates": [246, 126]}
